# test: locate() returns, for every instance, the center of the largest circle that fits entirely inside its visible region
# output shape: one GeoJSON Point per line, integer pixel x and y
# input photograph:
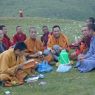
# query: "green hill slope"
{"type": "Point", "coordinates": [67, 9]}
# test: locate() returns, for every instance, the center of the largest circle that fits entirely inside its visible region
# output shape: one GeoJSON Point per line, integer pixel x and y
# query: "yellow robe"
{"type": "Point", "coordinates": [9, 64]}
{"type": "Point", "coordinates": [62, 41]}
{"type": "Point", "coordinates": [33, 46]}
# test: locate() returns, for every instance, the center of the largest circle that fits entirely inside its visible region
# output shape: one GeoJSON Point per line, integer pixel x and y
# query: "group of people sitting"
{"type": "Point", "coordinates": [15, 53]}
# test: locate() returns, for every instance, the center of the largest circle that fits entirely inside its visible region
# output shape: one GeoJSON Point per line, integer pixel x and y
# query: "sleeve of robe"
{"type": "Point", "coordinates": [29, 45]}
{"type": "Point", "coordinates": [14, 39]}
{"type": "Point", "coordinates": [91, 51]}
{"type": "Point", "coordinates": [50, 42]}
{"type": "Point", "coordinates": [5, 66]}
{"type": "Point", "coordinates": [63, 42]}
{"type": "Point", "coordinates": [24, 36]}
{"type": "Point", "coordinates": [6, 42]}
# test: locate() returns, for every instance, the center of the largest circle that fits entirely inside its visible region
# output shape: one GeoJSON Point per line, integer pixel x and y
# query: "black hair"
{"type": "Point", "coordinates": [91, 26]}
{"type": "Point", "coordinates": [1, 27]}
{"type": "Point", "coordinates": [55, 26]}
{"type": "Point", "coordinates": [31, 27]}
{"type": "Point", "coordinates": [17, 27]}
{"type": "Point", "coordinates": [20, 45]}
{"type": "Point", "coordinates": [92, 19]}
{"type": "Point", "coordinates": [45, 26]}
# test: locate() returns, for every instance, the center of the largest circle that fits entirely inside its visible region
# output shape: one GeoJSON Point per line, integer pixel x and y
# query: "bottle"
{"type": "Point", "coordinates": [63, 57]}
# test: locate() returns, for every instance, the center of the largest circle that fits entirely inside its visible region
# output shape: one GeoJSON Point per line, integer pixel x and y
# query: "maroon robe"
{"type": "Point", "coordinates": [19, 37]}
{"type": "Point", "coordinates": [44, 38]}
{"type": "Point", "coordinates": [6, 41]}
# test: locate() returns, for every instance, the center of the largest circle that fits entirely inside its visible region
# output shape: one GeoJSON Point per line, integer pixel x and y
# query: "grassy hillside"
{"type": "Point", "coordinates": [67, 9]}
{"type": "Point", "coordinates": [71, 83]}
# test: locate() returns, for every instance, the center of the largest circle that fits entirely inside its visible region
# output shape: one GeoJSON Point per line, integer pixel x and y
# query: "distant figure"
{"type": "Point", "coordinates": [19, 36]}
{"type": "Point", "coordinates": [21, 14]}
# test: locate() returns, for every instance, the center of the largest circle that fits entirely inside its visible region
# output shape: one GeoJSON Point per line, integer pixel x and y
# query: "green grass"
{"type": "Point", "coordinates": [67, 9]}
{"type": "Point", "coordinates": [71, 83]}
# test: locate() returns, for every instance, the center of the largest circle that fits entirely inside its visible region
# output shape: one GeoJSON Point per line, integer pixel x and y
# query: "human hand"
{"type": "Point", "coordinates": [20, 66]}
{"type": "Point", "coordinates": [81, 57]}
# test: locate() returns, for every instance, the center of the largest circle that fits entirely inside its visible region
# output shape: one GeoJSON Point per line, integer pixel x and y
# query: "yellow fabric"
{"type": "Point", "coordinates": [33, 46]}
{"type": "Point", "coordinates": [62, 41]}
{"type": "Point", "coordinates": [9, 64]}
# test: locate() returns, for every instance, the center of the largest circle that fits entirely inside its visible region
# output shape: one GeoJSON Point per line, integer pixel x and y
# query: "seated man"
{"type": "Point", "coordinates": [33, 44]}
{"type": "Point", "coordinates": [44, 37]}
{"type": "Point", "coordinates": [6, 39]}
{"type": "Point", "coordinates": [19, 36]}
{"type": "Point", "coordinates": [35, 47]}
{"type": "Point", "coordinates": [86, 62]}
{"type": "Point", "coordinates": [11, 65]}
{"type": "Point", "coordinates": [58, 39]}
{"type": "Point", "coordinates": [83, 44]}
{"type": "Point", "coordinates": [2, 45]}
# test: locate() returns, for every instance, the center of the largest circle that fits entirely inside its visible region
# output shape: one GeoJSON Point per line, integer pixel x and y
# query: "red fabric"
{"type": "Point", "coordinates": [21, 14]}
{"type": "Point", "coordinates": [19, 37]}
{"type": "Point", "coordinates": [81, 48]}
{"type": "Point", "coordinates": [6, 41]}
{"type": "Point", "coordinates": [77, 52]}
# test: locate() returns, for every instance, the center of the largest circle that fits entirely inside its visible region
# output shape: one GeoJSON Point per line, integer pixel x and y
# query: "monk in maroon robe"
{"type": "Point", "coordinates": [6, 39]}
{"type": "Point", "coordinates": [19, 36]}
{"type": "Point", "coordinates": [44, 37]}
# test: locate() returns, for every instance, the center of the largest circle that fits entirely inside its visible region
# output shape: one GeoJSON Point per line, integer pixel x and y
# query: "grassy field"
{"type": "Point", "coordinates": [71, 83]}
{"type": "Point", "coordinates": [67, 9]}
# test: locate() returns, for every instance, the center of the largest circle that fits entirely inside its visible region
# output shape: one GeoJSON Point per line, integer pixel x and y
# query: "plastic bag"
{"type": "Point", "coordinates": [44, 67]}
{"type": "Point", "coordinates": [64, 68]}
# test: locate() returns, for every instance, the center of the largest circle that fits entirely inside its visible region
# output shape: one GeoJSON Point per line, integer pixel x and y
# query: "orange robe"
{"type": "Point", "coordinates": [62, 41]}
{"type": "Point", "coordinates": [8, 66]}
{"type": "Point", "coordinates": [33, 46]}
